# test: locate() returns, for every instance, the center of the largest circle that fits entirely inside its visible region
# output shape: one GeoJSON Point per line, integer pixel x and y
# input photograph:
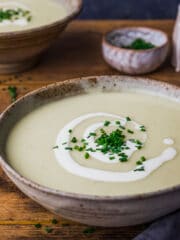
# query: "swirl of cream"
{"type": "Point", "coordinates": [65, 159]}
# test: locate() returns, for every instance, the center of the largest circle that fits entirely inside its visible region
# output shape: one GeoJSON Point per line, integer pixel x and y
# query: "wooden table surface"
{"type": "Point", "coordinates": [76, 53]}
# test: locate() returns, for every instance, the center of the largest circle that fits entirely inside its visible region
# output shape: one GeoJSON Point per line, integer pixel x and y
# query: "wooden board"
{"type": "Point", "coordinates": [76, 53]}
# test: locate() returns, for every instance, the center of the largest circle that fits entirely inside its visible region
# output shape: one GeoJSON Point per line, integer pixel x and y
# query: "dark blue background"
{"type": "Point", "coordinates": [129, 9]}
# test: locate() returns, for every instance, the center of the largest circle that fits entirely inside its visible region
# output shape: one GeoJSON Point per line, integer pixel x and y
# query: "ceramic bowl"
{"type": "Point", "coordinates": [135, 61]}
{"type": "Point", "coordinates": [93, 210]}
{"type": "Point", "coordinates": [20, 50]}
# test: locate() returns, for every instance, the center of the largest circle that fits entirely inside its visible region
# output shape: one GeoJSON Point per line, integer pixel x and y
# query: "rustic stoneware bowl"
{"type": "Point", "coordinates": [20, 50]}
{"type": "Point", "coordinates": [135, 61]}
{"type": "Point", "coordinates": [93, 210]}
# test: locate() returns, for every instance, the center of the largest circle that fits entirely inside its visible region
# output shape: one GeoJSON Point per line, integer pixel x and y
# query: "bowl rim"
{"type": "Point", "coordinates": [105, 42]}
{"type": "Point", "coordinates": [37, 29]}
{"type": "Point", "coordinates": [79, 196]}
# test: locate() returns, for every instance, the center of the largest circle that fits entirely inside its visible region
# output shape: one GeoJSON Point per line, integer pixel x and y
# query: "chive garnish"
{"type": "Point", "coordinates": [128, 119]}
{"type": "Point", "coordinates": [142, 128]}
{"type": "Point", "coordinates": [54, 221]}
{"type": "Point", "coordinates": [55, 147]}
{"type": "Point", "coordinates": [74, 140]}
{"type": "Point", "coordinates": [86, 155]}
{"type": "Point", "coordinates": [13, 93]}
{"type": "Point", "coordinates": [130, 131]}
{"type": "Point", "coordinates": [38, 225]}
{"type": "Point", "coordinates": [107, 123]}
{"type": "Point", "coordinates": [69, 148]}
{"type": "Point", "coordinates": [139, 169]}
{"type": "Point", "coordinates": [70, 131]}
{"type": "Point", "coordinates": [48, 229]}
{"type": "Point", "coordinates": [143, 159]}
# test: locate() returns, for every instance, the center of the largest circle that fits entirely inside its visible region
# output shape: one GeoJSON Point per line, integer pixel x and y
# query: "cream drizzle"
{"type": "Point", "coordinates": [65, 159]}
{"type": "Point", "coordinates": [168, 141]}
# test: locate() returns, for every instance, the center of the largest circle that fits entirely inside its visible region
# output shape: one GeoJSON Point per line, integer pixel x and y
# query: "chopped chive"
{"type": "Point", "coordinates": [13, 93]}
{"type": "Point", "coordinates": [38, 225]}
{"type": "Point", "coordinates": [74, 140]}
{"type": "Point", "coordinates": [92, 134]}
{"type": "Point", "coordinates": [130, 131]}
{"type": "Point", "coordinates": [143, 159]}
{"type": "Point", "coordinates": [48, 229]}
{"type": "Point", "coordinates": [140, 169]}
{"type": "Point", "coordinates": [128, 119]}
{"type": "Point", "coordinates": [55, 147]}
{"type": "Point", "coordinates": [64, 143]}
{"type": "Point", "coordinates": [70, 131]}
{"type": "Point", "coordinates": [107, 123]}
{"type": "Point", "coordinates": [90, 150]}
{"type": "Point", "coordinates": [86, 155]}
{"type": "Point", "coordinates": [69, 148]}
{"type": "Point", "coordinates": [142, 128]}
{"type": "Point", "coordinates": [111, 158]}
{"type": "Point", "coordinates": [139, 163]}
{"type": "Point", "coordinates": [118, 122]}
{"type": "Point", "coordinates": [54, 221]}
{"type": "Point", "coordinates": [139, 147]}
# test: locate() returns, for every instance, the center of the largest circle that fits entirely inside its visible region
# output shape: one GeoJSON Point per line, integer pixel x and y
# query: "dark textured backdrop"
{"type": "Point", "coordinates": [129, 9]}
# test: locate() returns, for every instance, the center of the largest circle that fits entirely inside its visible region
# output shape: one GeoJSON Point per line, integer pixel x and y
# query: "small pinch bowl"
{"type": "Point", "coordinates": [21, 50]}
{"type": "Point", "coordinates": [133, 61]}
{"type": "Point", "coordinates": [109, 211]}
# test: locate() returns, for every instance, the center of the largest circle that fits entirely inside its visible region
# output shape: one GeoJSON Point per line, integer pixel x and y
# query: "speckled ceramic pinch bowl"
{"type": "Point", "coordinates": [132, 61]}
{"type": "Point", "coordinates": [93, 210]}
{"type": "Point", "coordinates": [21, 50]}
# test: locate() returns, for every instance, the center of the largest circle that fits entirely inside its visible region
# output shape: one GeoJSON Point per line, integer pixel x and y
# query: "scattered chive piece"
{"type": "Point", "coordinates": [107, 123]}
{"type": "Point", "coordinates": [140, 169]}
{"type": "Point", "coordinates": [130, 131]}
{"type": "Point", "coordinates": [90, 150]}
{"type": "Point", "coordinates": [86, 155]}
{"type": "Point", "coordinates": [55, 147]}
{"type": "Point", "coordinates": [143, 159]}
{"type": "Point", "coordinates": [13, 93]}
{"type": "Point", "coordinates": [128, 119]}
{"type": "Point", "coordinates": [64, 143]}
{"type": "Point", "coordinates": [69, 148]}
{"type": "Point", "coordinates": [70, 130]}
{"type": "Point", "coordinates": [54, 221]}
{"type": "Point", "coordinates": [122, 127]}
{"type": "Point", "coordinates": [139, 163]}
{"type": "Point", "coordinates": [118, 122]}
{"type": "Point", "coordinates": [111, 158]}
{"type": "Point", "coordinates": [92, 134]}
{"type": "Point", "coordinates": [48, 229]}
{"type": "Point", "coordinates": [142, 128]}
{"type": "Point", "coordinates": [74, 140]}
{"type": "Point", "coordinates": [38, 225]}
{"type": "Point", "coordinates": [89, 230]}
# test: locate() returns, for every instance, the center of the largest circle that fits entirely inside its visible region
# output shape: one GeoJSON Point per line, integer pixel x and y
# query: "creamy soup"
{"type": "Point", "coordinates": [102, 143]}
{"type": "Point", "coordinates": [16, 15]}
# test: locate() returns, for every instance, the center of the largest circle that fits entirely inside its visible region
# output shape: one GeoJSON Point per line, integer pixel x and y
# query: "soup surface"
{"type": "Point", "coordinates": [100, 143]}
{"type": "Point", "coordinates": [16, 15]}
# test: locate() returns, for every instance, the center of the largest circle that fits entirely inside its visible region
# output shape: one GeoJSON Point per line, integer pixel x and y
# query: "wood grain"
{"type": "Point", "coordinates": [76, 53]}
